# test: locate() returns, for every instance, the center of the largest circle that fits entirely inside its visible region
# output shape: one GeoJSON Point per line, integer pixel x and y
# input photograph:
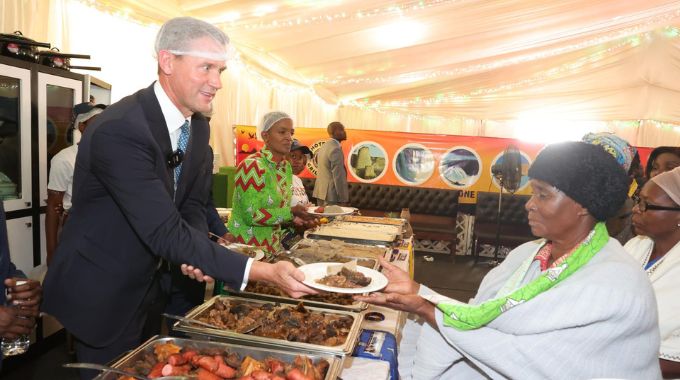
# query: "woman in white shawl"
{"type": "Point", "coordinates": [572, 305]}
{"type": "Point", "coordinates": [656, 217]}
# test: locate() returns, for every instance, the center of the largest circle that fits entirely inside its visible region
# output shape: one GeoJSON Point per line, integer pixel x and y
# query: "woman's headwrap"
{"type": "Point", "coordinates": [268, 120]}
{"type": "Point", "coordinates": [619, 148]}
{"type": "Point", "coordinates": [670, 183]}
{"type": "Point", "coordinates": [585, 173]}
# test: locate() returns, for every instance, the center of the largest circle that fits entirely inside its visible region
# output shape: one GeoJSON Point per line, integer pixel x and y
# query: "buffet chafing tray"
{"type": "Point", "coordinates": [356, 306]}
{"type": "Point", "coordinates": [373, 220]}
{"type": "Point", "coordinates": [256, 352]}
{"type": "Point", "coordinates": [319, 234]}
{"type": "Point", "coordinates": [232, 336]}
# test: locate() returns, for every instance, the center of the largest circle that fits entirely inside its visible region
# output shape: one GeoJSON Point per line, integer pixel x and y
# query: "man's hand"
{"type": "Point", "coordinates": [26, 297]}
{"type": "Point", "coordinates": [11, 325]}
{"type": "Point", "coordinates": [399, 281]}
{"type": "Point", "coordinates": [283, 274]}
{"type": "Point", "coordinates": [195, 274]}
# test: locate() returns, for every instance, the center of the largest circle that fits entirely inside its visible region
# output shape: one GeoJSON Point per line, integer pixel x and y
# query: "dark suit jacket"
{"type": "Point", "coordinates": [124, 219]}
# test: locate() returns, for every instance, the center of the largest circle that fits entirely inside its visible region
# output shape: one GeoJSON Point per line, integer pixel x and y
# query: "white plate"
{"type": "Point", "coordinates": [259, 254]}
{"type": "Point", "coordinates": [318, 271]}
{"type": "Point", "coordinates": [345, 211]}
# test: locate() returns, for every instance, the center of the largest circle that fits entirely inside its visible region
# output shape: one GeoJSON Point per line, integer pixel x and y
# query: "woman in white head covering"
{"type": "Point", "coordinates": [263, 188]}
{"type": "Point", "coordinates": [656, 217]}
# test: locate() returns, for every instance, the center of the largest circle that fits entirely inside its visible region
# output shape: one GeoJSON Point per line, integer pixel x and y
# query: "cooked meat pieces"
{"type": "Point", "coordinates": [346, 279]}
{"type": "Point", "coordinates": [291, 323]}
{"type": "Point", "coordinates": [261, 287]}
{"type": "Point", "coordinates": [221, 364]}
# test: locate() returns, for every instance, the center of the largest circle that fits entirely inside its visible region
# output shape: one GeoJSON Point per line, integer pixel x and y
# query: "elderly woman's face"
{"type": "Point", "coordinates": [551, 213]}
{"type": "Point", "coordinates": [279, 137]}
{"type": "Point", "coordinates": [655, 223]}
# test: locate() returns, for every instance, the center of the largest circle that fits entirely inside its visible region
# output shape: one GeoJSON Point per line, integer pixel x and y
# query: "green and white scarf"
{"type": "Point", "coordinates": [469, 317]}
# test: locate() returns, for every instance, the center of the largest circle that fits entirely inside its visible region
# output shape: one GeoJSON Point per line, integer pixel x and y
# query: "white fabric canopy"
{"type": "Point", "coordinates": [477, 67]}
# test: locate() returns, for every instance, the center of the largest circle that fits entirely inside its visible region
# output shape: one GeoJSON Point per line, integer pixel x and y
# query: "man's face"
{"type": "Point", "coordinates": [193, 81]}
{"type": "Point", "coordinates": [339, 133]}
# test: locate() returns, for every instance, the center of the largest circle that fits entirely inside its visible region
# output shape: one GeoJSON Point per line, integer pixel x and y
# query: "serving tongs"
{"type": "Point", "coordinates": [191, 321]}
{"type": "Point", "coordinates": [105, 368]}
{"type": "Point", "coordinates": [243, 330]}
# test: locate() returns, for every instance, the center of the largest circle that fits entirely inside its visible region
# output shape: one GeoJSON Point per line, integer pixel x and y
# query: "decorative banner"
{"type": "Point", "coordinates": [413, 159]}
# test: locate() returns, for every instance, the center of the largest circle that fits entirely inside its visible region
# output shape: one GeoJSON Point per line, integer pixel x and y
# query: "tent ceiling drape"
{"type": "Point", "coordinates": [447, 66]}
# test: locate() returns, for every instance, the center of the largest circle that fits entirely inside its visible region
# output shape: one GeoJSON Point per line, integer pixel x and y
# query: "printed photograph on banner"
{"type": "Point", "coordinates": [460, 167]}
{"type": "Point", "coordinates": [524, 164]}
{"type": "Point", "coordinates": [413, 164]}
{"type": "Point", "coordinates": [368, 161]}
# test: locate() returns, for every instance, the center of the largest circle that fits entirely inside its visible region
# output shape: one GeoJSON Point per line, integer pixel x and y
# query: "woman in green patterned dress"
{"type": "Point", "coordinates": [263, 188]}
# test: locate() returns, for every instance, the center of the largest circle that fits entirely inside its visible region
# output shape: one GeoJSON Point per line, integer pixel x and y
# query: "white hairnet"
{"type": "Point", "coordinates": [268, 120]}
{"type": "Point", "coordinates": [177, 35]}
{"type": "Point", "coordinates": [669, 182]}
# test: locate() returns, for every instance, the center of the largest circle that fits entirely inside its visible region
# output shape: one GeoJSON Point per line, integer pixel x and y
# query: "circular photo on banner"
{"type": "Point", "coordinates": [413, 164]}
{"type": "Point", "coordinates": [525, 162]}
{"type": "Point", "coordinates": [368, 161]}
{"type": "Point", "coordinates": [460, 167]}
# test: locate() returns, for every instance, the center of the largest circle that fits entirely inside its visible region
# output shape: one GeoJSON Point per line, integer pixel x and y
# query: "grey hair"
{"type": "Point", "coordinates": [178, 34]}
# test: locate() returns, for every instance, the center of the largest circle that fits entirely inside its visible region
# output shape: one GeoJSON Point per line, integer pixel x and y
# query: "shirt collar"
{"type": "Point", "coordinates": [173, 117]}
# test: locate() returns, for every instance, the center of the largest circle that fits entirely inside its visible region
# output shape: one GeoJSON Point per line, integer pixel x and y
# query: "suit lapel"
{"type": "Point", "coordinates": [159, 130]}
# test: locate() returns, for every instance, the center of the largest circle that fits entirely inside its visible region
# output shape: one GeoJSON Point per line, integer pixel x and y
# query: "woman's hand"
{"type": "Point", "coordinates": [300, 211]}
{"type": "Point", "coordinates": [400, 282]}
{"type": "Point", "coordinates": [410, 303]}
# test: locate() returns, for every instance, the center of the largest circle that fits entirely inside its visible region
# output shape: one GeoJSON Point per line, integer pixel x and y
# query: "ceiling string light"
{"type": "Point", "coordinates": [394, 9]}
{"type": "Point", "coordinates": [649, 23]}
{"type": "Point", "coordinates": [550, 74]}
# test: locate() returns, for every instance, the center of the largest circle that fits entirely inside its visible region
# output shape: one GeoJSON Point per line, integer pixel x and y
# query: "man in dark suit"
{"type": "Point", "coordinates": [141, 186]}
{"type": "Point", "coordinates": [330, 187]}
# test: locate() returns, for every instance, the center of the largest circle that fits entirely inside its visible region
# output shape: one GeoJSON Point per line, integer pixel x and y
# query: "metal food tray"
{"type": "Point", "coordinates": [380, 243]}
{"type": "Point", "coordinates": [231, 336]}
{"type": "Point", "coordinates": [354, 307]}
{"type": "Point", "coordinates": [256, 352]}
{"type": "Point", "coordinates": [375, 265]}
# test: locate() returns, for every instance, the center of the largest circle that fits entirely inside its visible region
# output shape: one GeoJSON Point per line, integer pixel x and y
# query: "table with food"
{"type": "Point", "coordinates": [262, 333]}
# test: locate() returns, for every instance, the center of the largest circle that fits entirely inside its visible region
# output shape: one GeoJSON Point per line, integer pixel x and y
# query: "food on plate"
{"type": "Point", "coordinates": [333, 209]}
{"type": "Point", "coordinates": [344, 276]}
{"type": "Point", "coordinates": [291, 323]}
{"type": "Point", "coordinates": [320, 209]}
{"type": "Point", "coordinates": [261, 287]}
{"type": "Point", "coordinates": [217, 364]}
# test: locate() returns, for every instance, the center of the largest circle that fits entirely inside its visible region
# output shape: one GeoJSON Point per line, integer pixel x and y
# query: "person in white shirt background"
{"type": "Point", "coordinates": [60, 185]}
{"type": "Point", "coordinates": [299, 155]}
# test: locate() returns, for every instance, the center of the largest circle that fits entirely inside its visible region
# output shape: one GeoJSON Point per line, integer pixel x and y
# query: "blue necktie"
{"type": "Point", "coordinates": [182, 145]}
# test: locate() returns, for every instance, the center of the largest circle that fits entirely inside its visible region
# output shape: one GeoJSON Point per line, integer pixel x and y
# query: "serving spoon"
{"type": "Point", "coordinates": [105, 368]}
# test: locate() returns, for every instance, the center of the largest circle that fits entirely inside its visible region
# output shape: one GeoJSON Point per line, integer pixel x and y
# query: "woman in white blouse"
{"type": "Point", "coordinates": [656, 218]}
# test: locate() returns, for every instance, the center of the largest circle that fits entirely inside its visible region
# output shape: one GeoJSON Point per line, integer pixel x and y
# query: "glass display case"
{"type": "Point", "coordinates": [15, 141]}
{"type": "Point", "coordinates": [56, 98]}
